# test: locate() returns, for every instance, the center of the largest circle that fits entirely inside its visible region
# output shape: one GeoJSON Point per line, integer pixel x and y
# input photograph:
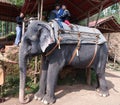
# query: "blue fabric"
{"type": "Point", "coordinates": [60, 12]}
{"type": "Point", "coordinates": [18, 35]}
{"type": "Point", "coordinates": [59, 21]}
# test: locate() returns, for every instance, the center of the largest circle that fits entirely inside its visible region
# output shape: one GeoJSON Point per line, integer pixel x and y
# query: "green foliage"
{"type": "Point", "coordinates": [11, 87]}
{"type": "Point", "coordinates": [6, 28]}
{"type": "Point", "coordinates": [113, 10]}
{"type": "Point", "coordinates": [17, 2]}
{"type": "Point", "coordinates": [10, 36]}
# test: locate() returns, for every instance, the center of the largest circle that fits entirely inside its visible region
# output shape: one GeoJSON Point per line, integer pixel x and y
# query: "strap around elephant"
{"type": "Point", "coordinates": [93, 58]}
{"type": "Point", "coordinates": [75, 51]}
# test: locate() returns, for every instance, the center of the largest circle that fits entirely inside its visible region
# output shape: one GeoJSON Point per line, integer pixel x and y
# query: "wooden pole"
{"type": "Point", "coordinates": [108, 40]}
{"type": "Point", "coordinates": [88, 19]}
{"type": "Point", "coordinates": [2, 28]}
{"type": "Point", "coordinates": [40, 12]}
{"type": "Point", "coordinates": [88, 70]}
{"type": "Point", "coordinates": [115, 56]}
{"type": "Point", "coordinates": [88, 76]}
{"type": "Point", "coordinates": [23, 27]}
{"type": "Point", "coordinates": [99, 15]}
{"type": "Point", "coordinates": [38, 9]}
{"type": "Point", "coordinates": [36, 58]}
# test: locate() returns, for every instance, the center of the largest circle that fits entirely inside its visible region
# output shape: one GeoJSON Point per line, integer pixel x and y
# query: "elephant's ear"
{"type": "Point", "coordinates": [45, 39]}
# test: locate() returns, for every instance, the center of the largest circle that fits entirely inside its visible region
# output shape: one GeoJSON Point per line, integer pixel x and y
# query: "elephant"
{"type": "Point", "coordinates": [37, 41]}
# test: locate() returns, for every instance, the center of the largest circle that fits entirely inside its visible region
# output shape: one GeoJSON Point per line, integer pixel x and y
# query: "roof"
{"type": "Point", "coordinates": [105, 25]}
{"type": "Point", "coordinates": [8, 12]}
{"type": "Point", "coordinates": [5, 1]}
{"type": "Point", "coordinates": [79, 9]}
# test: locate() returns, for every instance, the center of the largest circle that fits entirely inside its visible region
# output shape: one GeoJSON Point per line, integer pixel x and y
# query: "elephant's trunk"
{"type": "Point", "coordinates": [22, 66]}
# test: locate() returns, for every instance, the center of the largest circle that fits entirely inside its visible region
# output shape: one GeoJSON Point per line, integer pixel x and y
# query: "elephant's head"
{"type": "Point", "coordinates": [35, 41]}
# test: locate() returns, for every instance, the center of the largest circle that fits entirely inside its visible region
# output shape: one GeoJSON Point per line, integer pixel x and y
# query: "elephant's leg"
{"type": "Point", "coordinates": [98, 84]}
{"type": "Point", "coordinates": [43, 79]}
{"type": "Point", "coordinates": [41, 92]}
{"type": "Point", "coordinates": [52, 76]}
{"type": "Point", "coordinates": [103, 89]}
{"type": "Point", "coordinates": [102, 84]}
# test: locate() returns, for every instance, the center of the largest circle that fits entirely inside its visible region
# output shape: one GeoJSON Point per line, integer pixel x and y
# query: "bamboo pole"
{"type": "Point", "coordinates": [88, 70]}
{"type": "Point", "coordinates": [88, 19]}
{"type": "Point", "coordinates": [23, 28]}
{"type": "Point", "coordinates": [40, 12]}
{"type": "Point", "coordinates": [115, 56]}
{"type": "Point", "coordinates": [88, 76]}
{"type": "Point", "coordinates": [98, 15]}
{"type": "Point", "coordinates": [2, 28]}
{"type": "Point", "coordinates": [36, 58]}
{"type": "Point", "coordinates": [38, 9]}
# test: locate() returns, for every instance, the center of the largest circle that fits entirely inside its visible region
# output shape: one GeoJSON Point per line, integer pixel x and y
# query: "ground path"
{"type": "Point", "coordinates": [83, 94]}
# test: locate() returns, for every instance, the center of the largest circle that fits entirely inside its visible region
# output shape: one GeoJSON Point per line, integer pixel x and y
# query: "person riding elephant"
{"type": "Point", "coordinates": [64, 15]}
{"type": "Point", "coordinates": [54, 13]}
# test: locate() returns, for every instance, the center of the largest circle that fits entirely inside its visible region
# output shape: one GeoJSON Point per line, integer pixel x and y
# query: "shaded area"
{"type": "Point", "coordinates": [8, 40]}
{"type": "Point", "coordinates": [79, 9]}
{"type": "Point", "coordinates": [8, 11]}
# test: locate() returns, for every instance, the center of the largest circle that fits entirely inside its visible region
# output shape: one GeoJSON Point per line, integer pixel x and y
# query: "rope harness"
{"type": "Point", "coordinates": [93, 58]}
{"type": "Point", "coordinates": [75, 52]}
{"type": "Point", "coordinates": [57, 45]}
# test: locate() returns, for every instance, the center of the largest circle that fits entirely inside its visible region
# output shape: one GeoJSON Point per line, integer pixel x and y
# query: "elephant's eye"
{"type": "Point", "coordinates": [28, 41]}
{"type": "Point", "coordinates": [35, 30]}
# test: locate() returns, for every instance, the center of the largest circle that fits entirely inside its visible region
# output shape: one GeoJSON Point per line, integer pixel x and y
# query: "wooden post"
{"type": "Point", "coordinates": [40, 11]}
{"type": "Point", "coordinates": [115, 56]}
{"type": "Point", "coordinates": [108, 39]}
{"type": "Point", "coordinates": [88, 76]}
{"type": "Point", "coordinates": [99, 15]}
{"type": "Point", "coordinates": [23, 27]}
{"type": "Point", "coordinates": [2, 28]}
{"type": "Point", "coordinates": [36, 58]}
{"type": "Point", "coordinates": [11, 27]}
{"type": "Point", "coordinates": [88, 19]}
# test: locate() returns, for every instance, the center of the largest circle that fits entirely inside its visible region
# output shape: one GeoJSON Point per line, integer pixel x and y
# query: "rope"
{"type": "Point", "coordinates": [75, 51]}
{"type": "Point", "coordinates": [58, 44]}
{"type": "Point", "coordinates": [52, 50]}
{"type": "Point", "coordinates": [95, 52]}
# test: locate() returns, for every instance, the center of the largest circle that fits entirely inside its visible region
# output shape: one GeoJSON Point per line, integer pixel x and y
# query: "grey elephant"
{"type": "Point", "coordinates": [37, 41]}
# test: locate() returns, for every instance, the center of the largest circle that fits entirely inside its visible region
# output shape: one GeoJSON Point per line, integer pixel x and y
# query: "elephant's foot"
{"type": "Point", "coordinates": [39, 96]}
{"type": "Point", "coordinates": [102, 93]}
{"type": "Point", "coordinates": [48, 100]}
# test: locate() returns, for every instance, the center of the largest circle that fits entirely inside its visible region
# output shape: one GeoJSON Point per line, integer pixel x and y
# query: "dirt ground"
{"type": "Point", "coordinates": [83, 94]}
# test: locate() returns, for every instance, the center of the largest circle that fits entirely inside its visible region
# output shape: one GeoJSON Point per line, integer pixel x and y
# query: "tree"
{"type": "Point", "coordinates": [17, 2]}
{"type": "Point", "coordinates": [113, 10]}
